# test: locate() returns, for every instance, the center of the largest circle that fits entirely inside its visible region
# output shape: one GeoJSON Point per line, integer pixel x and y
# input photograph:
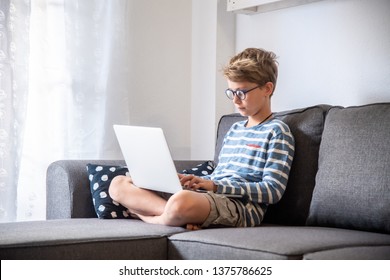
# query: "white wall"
{"type": "Point", "coordinates": [177, 52]}
{"type": "Point", "coordinates": [213, 43]}
{"type": "Point", "coordinates": [160, 95]}
{"type": "Point", "coordinates": [334, 52]}
{"type": "Point", "coordinates": [204, 38]}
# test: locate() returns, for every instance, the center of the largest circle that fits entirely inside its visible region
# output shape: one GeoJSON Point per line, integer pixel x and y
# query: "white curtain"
{"type": "Point", "coordinates": [14, 53]}
{"type": "Point", "coordinates": [77, 88]}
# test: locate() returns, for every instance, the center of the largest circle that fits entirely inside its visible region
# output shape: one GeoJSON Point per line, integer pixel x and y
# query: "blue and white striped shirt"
{"type": "Point", "coordinates": [256, 163]}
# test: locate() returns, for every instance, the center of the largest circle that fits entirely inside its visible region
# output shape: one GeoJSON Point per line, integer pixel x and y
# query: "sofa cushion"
{"type": "Point", "coordinates": [201, 169]}
{"type": "Point", "coordinates": [353, 183]}
{"type": "Point", "coordinates": [306, 125]}
{"type": "Point", "coordinates": [100, 177]}
{"type": "Point", "coordinates": [352, 253]}
{"type": "Point", "coordinates": [92, 238]}
{"type": "Point", "coordinates": [268, 242]}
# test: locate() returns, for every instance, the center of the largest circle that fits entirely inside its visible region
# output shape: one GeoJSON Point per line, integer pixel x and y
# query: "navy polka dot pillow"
{"type": "Point", "coordinates": [100, 177]}
{"type": "Point", "coordinates": [202, 169]}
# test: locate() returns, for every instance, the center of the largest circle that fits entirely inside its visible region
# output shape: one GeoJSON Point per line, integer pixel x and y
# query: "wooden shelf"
{"type": "Point", "coordinates": [262, 6]}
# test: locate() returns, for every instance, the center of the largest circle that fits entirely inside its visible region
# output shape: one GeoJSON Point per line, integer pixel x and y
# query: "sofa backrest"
{"type": "Point", "coordinates": [306, 125]}
{"type": "Point", "coordinates": [340, 176]}
{"type": "Point", "coordinates": [353, 180]}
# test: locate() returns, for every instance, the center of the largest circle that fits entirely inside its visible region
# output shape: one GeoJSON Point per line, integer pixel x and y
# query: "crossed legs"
{"type": "Point", "coordinates": [183, 208]}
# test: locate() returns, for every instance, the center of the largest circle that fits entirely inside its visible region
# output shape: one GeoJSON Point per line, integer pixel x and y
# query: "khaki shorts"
{"type": "Point", "coordinates": [224, 212]}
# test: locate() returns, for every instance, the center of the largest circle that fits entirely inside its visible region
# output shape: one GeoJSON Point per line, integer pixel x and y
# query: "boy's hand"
{"type": "Point", "coordinates": [193, 182]}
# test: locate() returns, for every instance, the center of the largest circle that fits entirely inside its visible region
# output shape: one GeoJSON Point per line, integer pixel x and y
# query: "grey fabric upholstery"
{"type": "Point", "coordinates": [306, 125]}
{"type": "Point", "coordinates": [67, 189]}
{"type": "Point", "coordinates": [84, 239]}
{"type": "Point", "coordinates": [353, 182]}
{"type": "Point", "coordinates": [268, 242]}
{"type": "Point", "coordinates": [352, 253]}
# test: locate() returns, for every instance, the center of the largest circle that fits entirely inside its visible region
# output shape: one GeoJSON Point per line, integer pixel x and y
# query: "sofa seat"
{"type": "Point", "coordinates": [352, 253]}
{"type": "Point", "coordinates": [132, 239]}
{"type": "Point", "coordinates": [84, 239]}
{"type": "Point", "coordinates": [279, 242]}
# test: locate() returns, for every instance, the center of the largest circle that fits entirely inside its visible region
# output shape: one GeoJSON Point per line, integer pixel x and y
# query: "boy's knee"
{"type": "Point", "coordinates": [117, 184]}
{"type": "Point", "coordinates": [178, 206]}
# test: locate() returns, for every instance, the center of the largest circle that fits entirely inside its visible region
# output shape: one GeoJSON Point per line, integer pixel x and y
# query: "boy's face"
{"type": "Point", "coordinates": [256, 101]}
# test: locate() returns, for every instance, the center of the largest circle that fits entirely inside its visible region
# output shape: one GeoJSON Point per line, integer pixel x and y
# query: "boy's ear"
{"type": "Point", "coordinates": [269, 88]}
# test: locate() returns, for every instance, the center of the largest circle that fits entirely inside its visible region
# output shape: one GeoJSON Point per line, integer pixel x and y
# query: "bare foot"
{"type": "Point", "coordinates": [193, 227]}
{"type": "Point", "coordinates": [157, 220]}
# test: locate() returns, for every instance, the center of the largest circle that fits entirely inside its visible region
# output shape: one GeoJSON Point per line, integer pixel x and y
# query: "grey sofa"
{"type": "Point", "coordinates": [336, 205]}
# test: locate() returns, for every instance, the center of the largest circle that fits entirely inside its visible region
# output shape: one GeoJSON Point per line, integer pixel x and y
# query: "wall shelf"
{"type": "Point", "coordinates": [262, 6]}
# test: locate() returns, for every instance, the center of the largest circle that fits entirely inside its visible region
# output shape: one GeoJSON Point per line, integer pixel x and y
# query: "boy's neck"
{"type": "Point", "coordinates": [258, 119]}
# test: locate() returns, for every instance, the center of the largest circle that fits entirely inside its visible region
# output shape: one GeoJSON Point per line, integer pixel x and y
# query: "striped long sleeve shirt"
{"type": "Point", "coordinates": [256, 163]}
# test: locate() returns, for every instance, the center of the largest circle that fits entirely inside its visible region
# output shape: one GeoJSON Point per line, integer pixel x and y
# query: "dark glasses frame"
{"type": "Point", "coordinates": [240, 93]}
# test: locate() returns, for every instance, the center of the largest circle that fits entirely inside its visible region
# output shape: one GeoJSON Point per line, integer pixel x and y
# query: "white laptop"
{"type": "Point", "coordinates": [148, 158]}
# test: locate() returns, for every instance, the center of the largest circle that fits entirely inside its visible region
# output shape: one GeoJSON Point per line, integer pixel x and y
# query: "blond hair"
{"type": "Point", "coordinates": [253, 65]}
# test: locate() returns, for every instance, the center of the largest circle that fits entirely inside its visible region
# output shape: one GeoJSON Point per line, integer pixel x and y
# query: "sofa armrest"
{"type": "Point", "coordinates": [68, 191]}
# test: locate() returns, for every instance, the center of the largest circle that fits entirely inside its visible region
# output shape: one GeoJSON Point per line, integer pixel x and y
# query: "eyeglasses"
{"type": "Point", "coordinates": [241, 94]}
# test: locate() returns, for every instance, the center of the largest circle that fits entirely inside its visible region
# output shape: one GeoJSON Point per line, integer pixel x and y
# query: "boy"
{"type": "Point", "coordinates": [255, 160]}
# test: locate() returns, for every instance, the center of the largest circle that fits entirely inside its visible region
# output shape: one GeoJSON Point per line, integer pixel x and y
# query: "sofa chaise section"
{"type": "Point", "coordinates": [84, 239]}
